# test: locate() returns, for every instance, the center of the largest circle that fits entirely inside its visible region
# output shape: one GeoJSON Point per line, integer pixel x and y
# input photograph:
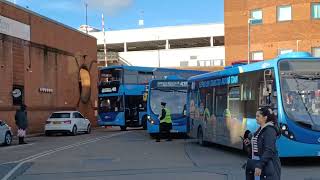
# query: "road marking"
{"type": "Point", "coordinates": [16, 146]}
{"type": "Point", "coordinates": [49, 152]}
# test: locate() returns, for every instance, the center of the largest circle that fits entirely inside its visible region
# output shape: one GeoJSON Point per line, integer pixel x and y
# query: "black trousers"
{"type": "Point", "coordinates": [165, 131]}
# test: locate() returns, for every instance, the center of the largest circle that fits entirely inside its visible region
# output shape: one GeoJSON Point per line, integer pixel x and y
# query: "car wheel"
{"type": "Point", "coordinates": [88, 129]}
{"type": "Point", "coordinates": [123, 128]}
{"type": "Point", "coordinates": [8, 139]}
{"type": "Point", "coordinates": [47, 133]}
{"type": "Point", "coordinates": [74, 130]}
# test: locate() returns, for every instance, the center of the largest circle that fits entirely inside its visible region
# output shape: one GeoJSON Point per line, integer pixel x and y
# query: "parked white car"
{"type": "Point", "coordinates": [5, 133]}
{"type": "Point", "coordinates": [71, 122]}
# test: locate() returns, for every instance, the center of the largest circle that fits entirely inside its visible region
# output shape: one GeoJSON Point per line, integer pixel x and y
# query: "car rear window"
{"type": "Point", "coordinates": [60, 115]}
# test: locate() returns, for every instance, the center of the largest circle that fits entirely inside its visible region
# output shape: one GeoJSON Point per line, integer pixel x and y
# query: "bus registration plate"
{"type": "Point", "coordinates": [176, 131]}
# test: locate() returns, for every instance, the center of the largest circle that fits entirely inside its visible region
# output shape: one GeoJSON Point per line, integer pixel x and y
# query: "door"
{"type": "Point", "coordinates": [77, 121]}
{"type": "Point", "coordinates": [82, 121]}
{"type": "Point", "coordinates": [85, 122]}
{"type": "Point", "coordinates": [221, 112]}
{"type": "Point", "coordinates": [132, 110]}
{"type": "Point", "coordinates": [2, 132]}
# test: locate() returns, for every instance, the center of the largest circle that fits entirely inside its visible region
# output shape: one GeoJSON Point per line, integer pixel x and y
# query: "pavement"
{"type": "Point", "coordinates": [116, 155]}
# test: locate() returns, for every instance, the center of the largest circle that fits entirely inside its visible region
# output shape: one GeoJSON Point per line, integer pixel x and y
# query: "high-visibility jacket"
{"type": "Point", "coordinates": [207, 113]}
{"type": "Point", "coordinates": [167, 118]}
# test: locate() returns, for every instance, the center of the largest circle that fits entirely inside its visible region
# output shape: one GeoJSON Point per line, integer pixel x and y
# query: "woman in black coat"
{"type": "Point", "coordinates": [264, 162]}
{"type": "Point", "coordinates": [22, 123]}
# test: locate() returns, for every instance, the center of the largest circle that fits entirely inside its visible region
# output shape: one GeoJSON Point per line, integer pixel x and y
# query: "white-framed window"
{"type": "Point", "coordinates": [184, 63]}
{"type": "Point", "coordinates": [316, 51]}
{"type": "Point", "coordinates": [284, 51]}
{"type": "Point", "coordinates": [315, 10]}
{"type": "Point", "coordinates": [257, 55]}
{"type": "Point", "coordinates": [193, 57]}
{"type": "Point", "coordinates": [256, 16]}
{"type": "Point", "coordinates": [284, 13]}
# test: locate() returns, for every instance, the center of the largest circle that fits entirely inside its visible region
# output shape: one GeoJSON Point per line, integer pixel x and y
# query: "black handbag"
{"type": "Point", "coordinates": [251, 165]}
{"type": "Point", "coordinates": [268, 170]}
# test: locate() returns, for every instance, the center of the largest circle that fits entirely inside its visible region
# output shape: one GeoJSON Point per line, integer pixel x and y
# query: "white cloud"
{"type": "Point", "coordinates": [109, 7]}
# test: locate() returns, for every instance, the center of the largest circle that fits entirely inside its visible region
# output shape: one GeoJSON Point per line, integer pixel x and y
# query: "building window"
{"type": "Point", "coordinates": [316, 51]}
{"type": "Point", "coordinates": [315, 10]}
{"type": "Point", "coordinates": [217, 62]}
{"type": "Point", "coordinates": [257, 55]}
{"type": "Point", "coordinates": [193, 57]}
{"type": "Point", "coordinates": [184, 63]}
{"type": "Point", "coordinates": [284, 51]}
{"type": "Point", "coordinates": [284, 13]}
{"type": "Point", "coordinates": [256, 17]}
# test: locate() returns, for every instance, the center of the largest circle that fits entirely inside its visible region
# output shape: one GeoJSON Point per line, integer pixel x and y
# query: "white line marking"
{"type": "Point", "coordinates": [49, 152]}
{"type": "Point", "coordinates": [16, 146]}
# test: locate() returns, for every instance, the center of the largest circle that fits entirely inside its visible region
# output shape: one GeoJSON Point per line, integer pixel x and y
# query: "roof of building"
{"type": "Point", "coordinates": [148, 69]}
{"type": "Point", "coordinates": [160, 33]}
{"type": "Point", "coordinates": [44, 17]}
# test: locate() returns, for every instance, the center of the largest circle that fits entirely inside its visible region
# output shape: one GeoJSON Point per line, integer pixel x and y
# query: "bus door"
{"type": "Point", "coordinates": [268, 95]}
{"type": "Point", "coordinates": [132, 110]}
{"type": "Point", "coordinates": [222, 114]}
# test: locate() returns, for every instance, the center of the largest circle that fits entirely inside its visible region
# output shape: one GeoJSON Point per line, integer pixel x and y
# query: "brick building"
{"type": "Point", "coordinates": [274, 27]}
{"type": "Point", "coordinates": [44, 64]}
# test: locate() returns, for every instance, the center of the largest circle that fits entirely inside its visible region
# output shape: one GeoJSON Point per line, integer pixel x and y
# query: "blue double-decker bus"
{"type": "Point", "coordinates": [222, 105]}
{"type": "Point", "coordinates": [122, 99]}
{"type": "Point", "coordinates": [172, 91]}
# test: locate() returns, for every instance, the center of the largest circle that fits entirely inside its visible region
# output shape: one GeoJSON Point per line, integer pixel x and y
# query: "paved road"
{"type": "Point", "coordinates": [111, 154]}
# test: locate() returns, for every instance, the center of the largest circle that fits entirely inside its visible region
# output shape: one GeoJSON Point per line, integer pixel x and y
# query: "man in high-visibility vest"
{"type": "Point", "coordinates": [165, 123]}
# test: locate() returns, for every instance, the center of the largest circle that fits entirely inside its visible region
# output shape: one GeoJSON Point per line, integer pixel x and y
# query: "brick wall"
{"type": "Point", "coordinates": [52, 59]}
{"type": "Point", "coordinates": [271, 35]}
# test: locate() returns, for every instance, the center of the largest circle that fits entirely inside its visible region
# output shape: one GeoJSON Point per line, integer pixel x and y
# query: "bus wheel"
{"type": "Point", "coordinates": [123, 128]}
{"type": "Point", "coordinates": [200, 137]}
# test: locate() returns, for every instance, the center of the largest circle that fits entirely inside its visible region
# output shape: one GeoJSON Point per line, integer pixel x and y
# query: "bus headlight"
{"type": "Point", "coordinates": [286, 132]}
{"type": "Point", "coordinates": [284, 127]}
{"type": "Point", "coordinates": [152, 122]}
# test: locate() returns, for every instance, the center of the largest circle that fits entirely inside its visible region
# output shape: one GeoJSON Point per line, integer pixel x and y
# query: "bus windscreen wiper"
{"type": "Point", "coordinates": [306, 77]}
{"type": "Point", "coordinates": [171, 90]}
{"type": "Point", "coordinates": [304, 104]}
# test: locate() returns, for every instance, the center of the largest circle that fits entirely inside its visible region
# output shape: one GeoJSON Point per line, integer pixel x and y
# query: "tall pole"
{"type": "Point", "coordinates": [298, 41]}
{"type": "Point", "coordinates": [159, 54]}
{"type": "Point", "coordinates": [104, 42]}
{"type": "Point", "coordinates": [249, 22]}
{"type": "Point", "coordinates": [86, 4]}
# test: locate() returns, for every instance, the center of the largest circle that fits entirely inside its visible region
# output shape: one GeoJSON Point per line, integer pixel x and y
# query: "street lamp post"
{"type": "Point", "coordinates": [298, 41]}
{"type": "Point", "coordinates": [249, 38]}
{"type": "Point", "coordinates": [86, 4]}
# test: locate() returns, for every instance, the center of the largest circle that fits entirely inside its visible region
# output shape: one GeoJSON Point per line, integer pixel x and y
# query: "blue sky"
{"type": "Point", "coordinates": [124, 14]}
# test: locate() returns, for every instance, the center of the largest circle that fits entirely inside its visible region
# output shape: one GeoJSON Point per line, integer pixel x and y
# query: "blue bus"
{"type": "Point", "coordinates": [122, 99]}
{"type": "Point", "coordinates": [174, 93]}
{"type": "Point", "coordinates": [222, 105]}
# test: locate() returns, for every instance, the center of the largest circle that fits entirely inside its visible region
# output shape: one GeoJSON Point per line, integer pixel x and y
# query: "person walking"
{"type": "Point", "coordinates": [22, 123]}
{"type": "Point", "coordinates": [264, 162]}
{"type": "Point", "coordinates": [165, 123]}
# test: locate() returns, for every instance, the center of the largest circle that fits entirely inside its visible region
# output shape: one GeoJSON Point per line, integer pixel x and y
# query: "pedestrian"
{"type": "Point", "coordinates": [165, 123]}
{"type": "Point", "coordinates": [264, 162]}
{"type": "Point", "coordinates": [22, 123]}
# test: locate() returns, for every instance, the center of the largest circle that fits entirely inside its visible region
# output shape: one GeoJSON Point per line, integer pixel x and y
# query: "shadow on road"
{"type": "Point", "coordinates": [287, 162]}
{"type": "Point", "coordinates": [301, 161]}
